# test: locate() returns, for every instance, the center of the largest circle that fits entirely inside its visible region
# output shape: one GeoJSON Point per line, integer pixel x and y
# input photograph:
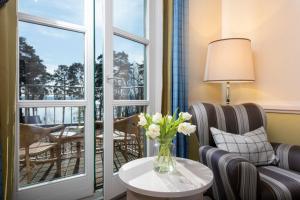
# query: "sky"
{"type": "Point", "coordinates": [55, 46]}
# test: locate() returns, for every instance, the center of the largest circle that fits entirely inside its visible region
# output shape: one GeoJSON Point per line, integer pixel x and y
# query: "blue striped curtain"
{"type": "Point", "coordinates": [180, 69]}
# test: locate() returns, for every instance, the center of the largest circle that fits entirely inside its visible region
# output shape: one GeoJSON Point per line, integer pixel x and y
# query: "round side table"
{"type": "Point", "coordinates": [189, 181]}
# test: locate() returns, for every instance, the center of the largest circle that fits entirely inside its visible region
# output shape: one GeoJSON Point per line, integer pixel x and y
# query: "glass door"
{"type": "Point", "coordinates": [54, 158]}
{"type": "Point", "coordinates": [126, 86]}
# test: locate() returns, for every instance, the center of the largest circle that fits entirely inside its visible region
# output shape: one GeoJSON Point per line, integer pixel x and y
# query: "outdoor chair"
{"type": "Point", "coordinates": [35, 141]}
{"type": "Point", "coordinates": [126, 136]}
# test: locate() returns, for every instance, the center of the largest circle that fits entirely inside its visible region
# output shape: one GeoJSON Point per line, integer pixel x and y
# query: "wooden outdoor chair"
{"type": "Point", "coordinates": [128, 136]}
{"type": "Point", "coordinates": [99, 136]}
{"type": "Point", "coordinates": [35, 141]}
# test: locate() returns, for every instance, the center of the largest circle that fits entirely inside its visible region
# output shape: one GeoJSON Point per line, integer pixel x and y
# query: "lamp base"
{"type": "Point", "coordinates": [227, 100]}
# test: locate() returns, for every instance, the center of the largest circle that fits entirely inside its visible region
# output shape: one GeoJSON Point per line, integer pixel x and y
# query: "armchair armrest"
{"type": "Point", "coordinates": [288, 156]}
{"type": "Point", "coordinates": [234, 176]}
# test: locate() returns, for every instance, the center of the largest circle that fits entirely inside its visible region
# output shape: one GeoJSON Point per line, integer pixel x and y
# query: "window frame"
{"type": "Point", "coordinates": [153, 65]}
{"type": "Point", "coordinates": [145, 41]}
{"type": "Point", "coordinates": [152, 41]}
{"type": "Point", "coordinates": [153, 58]}
{"type": "Point", "coordinates": [87, 30]}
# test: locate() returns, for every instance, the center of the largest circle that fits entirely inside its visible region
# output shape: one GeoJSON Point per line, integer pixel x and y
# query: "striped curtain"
{"type": "Point", "coordinates": [175, 81]}
{"type": "Point", "coordinates": [8, 24]}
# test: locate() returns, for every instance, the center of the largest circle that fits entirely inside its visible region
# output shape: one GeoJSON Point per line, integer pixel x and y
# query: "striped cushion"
{"type": "Point", "coordinates": [237, 119]}
{"type": "Point", "coordinates": [278, 183]}
{"type": "Point", "coordinates": [253, 146]}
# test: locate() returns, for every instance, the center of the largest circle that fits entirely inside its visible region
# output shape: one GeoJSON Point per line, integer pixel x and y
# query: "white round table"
{"type": "Point", "coordinates": [189, 181]}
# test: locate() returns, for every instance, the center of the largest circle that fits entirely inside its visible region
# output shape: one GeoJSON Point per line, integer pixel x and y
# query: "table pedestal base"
{"type": "Point", "coordinates": [135, 196]}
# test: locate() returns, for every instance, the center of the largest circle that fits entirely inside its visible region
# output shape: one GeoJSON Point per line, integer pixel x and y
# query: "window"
{"type": "Point", "coordinates": [129, 63]}
{"type": "Point", "coordinates": [71, 11]}
{"type": "Point", "coordinates": [51, 63]}
{"type": "Point", "coordinates": [129, 69]}
{"type": "Point", "coordinates": [129, 15]}
{"type": "Point", "coordinates": [56, 71]}
{"type": "Point", "coordinates": [52, 97]}
{"type": "Point", "coordinates": [130, 46]}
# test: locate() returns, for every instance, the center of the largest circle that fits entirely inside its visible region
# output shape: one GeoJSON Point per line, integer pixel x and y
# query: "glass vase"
{"type": "Point", "coordinates": [164, 161]}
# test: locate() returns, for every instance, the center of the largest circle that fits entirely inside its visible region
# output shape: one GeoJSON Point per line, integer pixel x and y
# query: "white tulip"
{"type": "Point", "coordinates": [157, 118]}
{"type": "Point", "coordinates": [186, 128]}
{"type": "Point", "coordinates": [169, 118]}
{"type": "Point", "coordinates": [185, 115]}
{"type": "Point", "coordinates": [143, 120]}
{"type": "Point", "coordinates": [153, 131]}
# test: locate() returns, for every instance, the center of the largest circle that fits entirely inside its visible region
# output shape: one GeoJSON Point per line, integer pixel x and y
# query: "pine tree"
{"type": "Point", "coordinates": [76, 81]}
{"type": "Point", "coordinates": [68, 83]}
{"type": "Point", "coordinates": [33, 73]}
{"type": "Point", "coordinates": [99, 88]}
{"type": "Point", "coordinates": [121, 73]}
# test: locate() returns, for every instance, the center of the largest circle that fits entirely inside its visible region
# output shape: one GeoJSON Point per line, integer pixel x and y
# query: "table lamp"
{"type": "Point", "coordinates": [229, 61]}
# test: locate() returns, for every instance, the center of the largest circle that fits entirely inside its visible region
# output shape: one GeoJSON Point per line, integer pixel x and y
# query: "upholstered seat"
{"type": "Point", "coordinates": [277, 182]}
{"type": "Point", "coordinates": [236, 177]}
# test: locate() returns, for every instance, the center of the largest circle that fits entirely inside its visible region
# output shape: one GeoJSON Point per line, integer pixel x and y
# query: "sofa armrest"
{"type": "Point", "coordinates": [288, 156]}
{"type": "Point", "coordinates": [234, 176]}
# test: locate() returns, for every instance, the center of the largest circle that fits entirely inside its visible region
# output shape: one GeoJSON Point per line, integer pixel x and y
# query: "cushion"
{"type": "Point", "coordinates": [253, 145]}
{"type": "Point", "coordinates": [278, 183]}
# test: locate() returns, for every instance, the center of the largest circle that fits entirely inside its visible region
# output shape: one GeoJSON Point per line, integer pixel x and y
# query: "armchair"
{"type": "Point", "coordinates": [235, 176]}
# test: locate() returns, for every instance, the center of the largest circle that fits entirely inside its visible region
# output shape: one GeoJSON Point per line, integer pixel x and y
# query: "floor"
{"type": "Point", "coordinates": [70, 166]}
{"type": "Point", "coordinates": [98, 195]}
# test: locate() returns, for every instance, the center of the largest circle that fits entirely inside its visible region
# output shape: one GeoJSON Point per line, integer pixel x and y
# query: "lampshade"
{"type": "Point", "coordinates": [229, 60]}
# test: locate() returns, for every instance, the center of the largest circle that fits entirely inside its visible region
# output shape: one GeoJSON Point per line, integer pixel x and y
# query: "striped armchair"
{"type": "Point", "coordinates": [234, 176]}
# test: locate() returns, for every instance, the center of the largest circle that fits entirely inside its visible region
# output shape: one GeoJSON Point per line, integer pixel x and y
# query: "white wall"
{"type": "Point", "coordinates": [273, 26]}
{"type": "Point", "coordinates": [204, 26]}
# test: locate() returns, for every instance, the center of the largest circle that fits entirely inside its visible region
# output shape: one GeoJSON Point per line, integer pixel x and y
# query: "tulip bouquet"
{"type": "Point", "coordinates": [163, 129]}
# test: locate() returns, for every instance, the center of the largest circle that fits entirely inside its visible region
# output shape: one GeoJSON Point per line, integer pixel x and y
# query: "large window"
{"type": "Point", "coordinates": [126, 65]}
{"type": "Point", "coordinates": [130, 46]}
{"type": "Point", "coordinates": [129, 15]}
{"type": "Point", "coordinates": [73, 94]}
{"type": "Point", "coordinates": [51, 63]}
{"type": "Point", "coordinates": [52, 97]}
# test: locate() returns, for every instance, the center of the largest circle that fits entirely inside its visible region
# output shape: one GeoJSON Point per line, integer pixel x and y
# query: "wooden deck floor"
{"type": "Point", "coordinates": [70, 166]}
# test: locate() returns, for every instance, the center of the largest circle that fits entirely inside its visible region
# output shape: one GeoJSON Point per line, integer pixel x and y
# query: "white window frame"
{"type": "Point", "coordinates": [153, 63]}
{"type": "Point", "coordinates": [88, 175]}
{"type": "Point", "coordinates": [154, 87]}
{"type": "Point", "coordinates": [153, 55]}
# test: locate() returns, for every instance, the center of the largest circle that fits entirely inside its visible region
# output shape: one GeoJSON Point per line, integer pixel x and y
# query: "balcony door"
{"type": "Point", "coordinates": [76, 90]}
{"type": "Point", "coordinates": [55, 127]}
{"type": "Point", "coordinates": [131, 82]}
